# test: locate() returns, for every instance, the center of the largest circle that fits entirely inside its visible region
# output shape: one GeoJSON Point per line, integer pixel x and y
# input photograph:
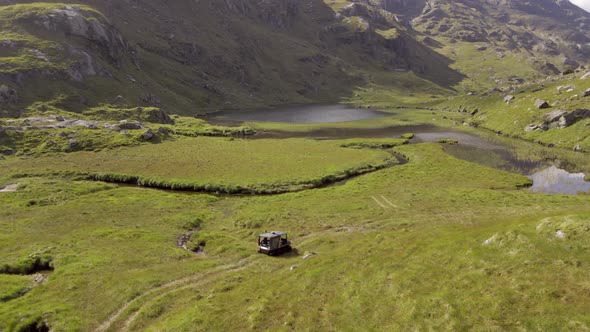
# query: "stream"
{"type": "Point", "coordinates": [473, 148]}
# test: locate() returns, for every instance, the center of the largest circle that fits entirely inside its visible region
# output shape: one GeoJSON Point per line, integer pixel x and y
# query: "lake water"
{"type": "Point", "coordinates": [557, 181]}
{"type": "Point", "coordinates": [473, 148]}
{"type": "Point", "coordinates": [300, 114]}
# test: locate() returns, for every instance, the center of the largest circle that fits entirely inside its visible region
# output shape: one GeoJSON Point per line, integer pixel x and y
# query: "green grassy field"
{"type": "Point", "coordinates": [215, 164]}
{"type": "Point", "coordinates": [401, 248]}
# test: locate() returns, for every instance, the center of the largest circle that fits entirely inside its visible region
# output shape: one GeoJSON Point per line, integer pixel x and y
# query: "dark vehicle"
{"type": "Point", "coordinates": [273, 243]}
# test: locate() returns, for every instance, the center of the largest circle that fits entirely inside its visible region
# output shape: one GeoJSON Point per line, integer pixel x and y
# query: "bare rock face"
{"type": "Point", "coordinates": [75, 21]}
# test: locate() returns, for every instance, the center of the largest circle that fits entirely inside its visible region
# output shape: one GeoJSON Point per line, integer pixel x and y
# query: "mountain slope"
{"type": "Point", "coordinates": [496, 42]}
{"type": "Point", "coordinates": [192, 57]}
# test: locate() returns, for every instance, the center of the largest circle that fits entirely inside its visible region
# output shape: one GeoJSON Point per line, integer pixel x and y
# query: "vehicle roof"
{"type": "Point", "coordinates": [273, 234]}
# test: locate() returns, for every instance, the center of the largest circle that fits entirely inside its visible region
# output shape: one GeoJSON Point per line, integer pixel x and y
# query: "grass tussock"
{"type": "Point", "coordinates": [386, 143]}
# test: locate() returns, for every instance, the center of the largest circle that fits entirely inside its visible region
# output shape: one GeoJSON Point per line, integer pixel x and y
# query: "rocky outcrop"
{"type": "Point", "coordinates": [545, 28]}
{"type": "Point", "coordinates": [83, 23]}
{"type": "Point", "coordinates": [554, 116]}
{"type": "Point", "coordinates": [564, 119]}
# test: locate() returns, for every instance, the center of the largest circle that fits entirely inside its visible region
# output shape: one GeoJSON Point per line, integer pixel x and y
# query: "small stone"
{"type": "Point", "coordinates": [309, 255]}
{"type": "Point", "coordinates": [541, 104]}
{"type": "Point", "coordinates": [508, 99]}
{"type": "Point", "coordinates": [120, 101]}
{"type": "Point", "coordinates": [560, 234]}
{"type": "Point", "coordinates": [578, 148]}
{"type": "Point", "coordinates": [490, 240]}
{"type": "Point", "coordinates": [586, 93]}
{"type": "Point", "coordinates": [293, 267]}
{"type": "Point", "coordinates": [531, 127]}
{"type": "Point", "coordinates": [565, 87]}
{"type": "Point", "coordinates": [39, 278]}
{"type": "Point", "coordinates": [130, 125]}
{"type": "Point", "coordinates": [72, 143]}
{"type": "Point", "coordinates": [148, 135]}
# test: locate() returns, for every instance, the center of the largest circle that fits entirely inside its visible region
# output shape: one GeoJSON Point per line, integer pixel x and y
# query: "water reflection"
{"type": "Point", "coordinates": [557, 181]}
{"type": "Point", "coordinates": [299, 114]}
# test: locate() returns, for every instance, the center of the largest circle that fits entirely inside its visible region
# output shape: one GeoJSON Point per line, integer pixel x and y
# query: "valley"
{"type": "Point", "coordinates": [428, 159]}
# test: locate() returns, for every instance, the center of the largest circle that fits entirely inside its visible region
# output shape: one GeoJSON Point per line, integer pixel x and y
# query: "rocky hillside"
{"type": "Point", "coordinates": [197, 56]}
{"type": "Point", "coordinates": [495, 42]}
{"type": "Point", "coordinates": [501, 41]}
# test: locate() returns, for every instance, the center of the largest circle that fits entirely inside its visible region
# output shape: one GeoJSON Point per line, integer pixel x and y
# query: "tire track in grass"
{"type": "Point", "coordinates": [379, 203]}
{"type": "Point", "coordinates": [127, 324]}
{"type": "Point", "coordinates": [388, 202]}
{"type": "Point", "coordinates": [167, 288]}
